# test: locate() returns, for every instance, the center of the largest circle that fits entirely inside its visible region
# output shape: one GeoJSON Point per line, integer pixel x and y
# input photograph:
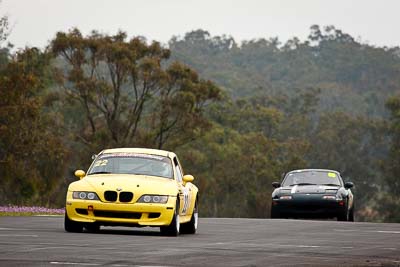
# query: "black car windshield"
{"type": "Point", "coordinates": [311, 178]}
{"type": "Point", "coordinates": [132, 163]}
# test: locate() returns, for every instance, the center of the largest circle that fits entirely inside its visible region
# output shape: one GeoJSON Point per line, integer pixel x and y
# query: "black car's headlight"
{"type": "Point", "coordinates": [333, 197]}
{"type": "Point", "coordinates": [85, 195]}
{"type": "Point", "coordinates": [331, 191]}
{"type": "Point", "coordinates": [153, 199]}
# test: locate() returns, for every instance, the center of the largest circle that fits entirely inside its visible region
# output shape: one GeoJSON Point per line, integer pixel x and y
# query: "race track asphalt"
{"type": "Point", "coordinates": [42, 241]}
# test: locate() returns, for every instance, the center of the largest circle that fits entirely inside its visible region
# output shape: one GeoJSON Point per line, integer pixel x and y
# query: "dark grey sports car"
{"type": "Point", "coordinates": [313, 193]}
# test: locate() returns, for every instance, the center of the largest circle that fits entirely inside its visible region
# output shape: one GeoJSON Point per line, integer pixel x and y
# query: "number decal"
{"type": "Point", "coordinates": [332, 174]}
{"type": "Point", "coordinates": [186, 200]}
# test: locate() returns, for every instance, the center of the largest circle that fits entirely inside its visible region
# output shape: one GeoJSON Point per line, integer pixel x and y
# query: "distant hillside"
{"type": "Point", "coordinates": [351, 76]}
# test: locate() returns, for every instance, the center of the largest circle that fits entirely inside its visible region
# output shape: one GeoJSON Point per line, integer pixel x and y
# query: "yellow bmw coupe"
{"type": "Point", "coordinates": [133, 187]}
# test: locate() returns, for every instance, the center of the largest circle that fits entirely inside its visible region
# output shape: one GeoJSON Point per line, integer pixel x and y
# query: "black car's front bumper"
{"type": "Point", "coordinates": [308, 205]}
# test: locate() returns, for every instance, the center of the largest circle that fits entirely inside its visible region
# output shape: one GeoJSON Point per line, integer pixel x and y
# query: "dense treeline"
{"type": "Point", "coordinates": [239, 115]}
{"type": "Point", "coordinates": [321, 103]}
{"type": "Point", "coordinates": [330, 61]}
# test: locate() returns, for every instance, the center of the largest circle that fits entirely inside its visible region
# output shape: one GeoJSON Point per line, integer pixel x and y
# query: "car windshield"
{"type": "Point", "coordinates": [312, 178]}
{"type": "Point", "coordinates": [132, 163]}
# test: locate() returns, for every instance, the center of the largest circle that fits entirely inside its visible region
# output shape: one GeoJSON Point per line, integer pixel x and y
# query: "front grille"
{"type": "Point", "coordinates": [117, 214]}
{"type": "Point", "coordinates": [125, 196]}
{"type": "Point", "coordinates": [110, 196]}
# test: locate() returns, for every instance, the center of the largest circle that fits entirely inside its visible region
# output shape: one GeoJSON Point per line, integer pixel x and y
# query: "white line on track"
{"type": "Point", "coordinates": [44, 248]}
{"type": "Point", "coordinates": [48, 215]}
{"type": "Point", "coordinates": [371, 231]}
{"type": "Point", "coordinates": [282, 245]}
{"type": "Point", "coordinates": [20, 235]}
{"type": "Point", "coordinates": [296, 246]}
{"type": "Point", "coordinates": [307, 246]}
{"type": "Point", "coordinates": [97, 264]}
{"type": "Point", "coordinates": [74, 263]}
{"type": "Point", "coordinates": [387, 232]}
{"type": "Point", "coordinates": [13, 229]}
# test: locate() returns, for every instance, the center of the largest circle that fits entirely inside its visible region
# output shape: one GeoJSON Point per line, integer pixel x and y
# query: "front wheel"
{"type": "Point", "coordinates": [344, 216]}
{"type": "Point", "coordinates": [351, 214]}
{"type": "Point", "coordinates": [174, 227]}
{"type": "Point", "coordinates": [72, 226]}
{"type": "Point", "coordinates": [275, 214]}
{"type": "Point", "coordinates": [191, 226]}
{"type": "Point", "coordinates": [92, 227]}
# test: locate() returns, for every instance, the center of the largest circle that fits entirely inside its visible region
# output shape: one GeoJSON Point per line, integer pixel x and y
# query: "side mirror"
{"type": "Point", "coordinates": [276, 184]}
{"type": "Point", "coordinates": [188, 178]}
{"type": "Point", "coordinates": [94, 156]}
{"type": "Point", "coordinates": [80, 174]}
{"type": "Point", "coordinates": [348, 185]}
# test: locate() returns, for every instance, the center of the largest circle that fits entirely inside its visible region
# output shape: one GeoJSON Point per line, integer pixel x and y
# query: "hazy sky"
{"type": "Point", "coordinates": [35, 22]}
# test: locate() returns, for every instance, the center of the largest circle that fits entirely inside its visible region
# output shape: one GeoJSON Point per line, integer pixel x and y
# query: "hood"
{"type": "Point", "coordinates": [308, 189]}
{"type": "Point", "coordinates": [132, 183]}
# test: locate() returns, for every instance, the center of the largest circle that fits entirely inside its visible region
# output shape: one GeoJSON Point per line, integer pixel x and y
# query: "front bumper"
{"type": "Point", "coordinates": [124, 214]}
{"type": "Point", "coordinates": [308, 205]}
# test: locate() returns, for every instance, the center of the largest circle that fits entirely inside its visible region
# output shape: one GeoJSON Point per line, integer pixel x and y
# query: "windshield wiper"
{"type": "Point", "coordinates": [302, 184]}
{"type": "Point", "coordinates": [98, 173]}
{"type": "Point", "coordinates": [331, 184]}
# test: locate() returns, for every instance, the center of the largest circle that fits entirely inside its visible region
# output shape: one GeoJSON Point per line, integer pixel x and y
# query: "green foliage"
{"type": "Point", "coordinates": [128, 96]}
{"type": "Point", "coordinates": [390, 200]}
{"type": "Point", "coordinates": [4, 28]}
{"type": "Point", "coordinates": [4, 32]}
{"type": "Point", "coordinates": [231, 168]}
{"type": "Point", "coordinates": [31, 153]}
{"type": "Point", "coordinates": [269, 109]}
{"type": "Point", "coordinates": [329, 60]}
{"type": "Point", "coordinates": [355, 146]}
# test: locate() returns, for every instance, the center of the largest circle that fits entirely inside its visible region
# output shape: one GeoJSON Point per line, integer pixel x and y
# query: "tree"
{"type": "Point", "coordinates": [234, 171]}
{"type": "Point", "coordinates": [31, 149]}
{"type": "Point", "coordinates": [354, 146]}
{"type": "Point", "coordinates": [391, 199]}
{"type": "Point", "coordinates": [4, 32]}
{"type": "Point", "coordinates": [129, 95]}
{"type": "Point", "coordinates": [4, 28]}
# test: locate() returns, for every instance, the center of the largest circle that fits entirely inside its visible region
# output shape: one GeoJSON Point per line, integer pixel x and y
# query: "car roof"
{"type": "Point", "coordinates": [149, 151]}
{"type": "Point", "coordinates": [314, 170]}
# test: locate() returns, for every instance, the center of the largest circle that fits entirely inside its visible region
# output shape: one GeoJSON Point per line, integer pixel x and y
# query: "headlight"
{"type": "Point", "coordinates": [333, 197]}
{"type": "Point", "coordinates": [331, 191]}
{"type": "Point", "coordinates": [285, 191]}
{"type": "Point", "coordinates": [85, 195]}
{"type": "Point", "coordinates": [153, 199]}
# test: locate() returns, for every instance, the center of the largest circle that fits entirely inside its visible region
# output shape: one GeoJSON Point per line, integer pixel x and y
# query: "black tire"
{"type": "Point", "coordinates": [191, 226]}
{"type": "Point", "coordinates": [92, 227]}
{"type": "Point", "coordinates": [344, 216]}
{"type": "Point", "coordinates": [275, 214]}
{"type": "Point", "coordinates": [351, 214]}
{"type": "Point", "coordinates": [173, 229]}
{"type": "Point", "coordinates": [72, 226]}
